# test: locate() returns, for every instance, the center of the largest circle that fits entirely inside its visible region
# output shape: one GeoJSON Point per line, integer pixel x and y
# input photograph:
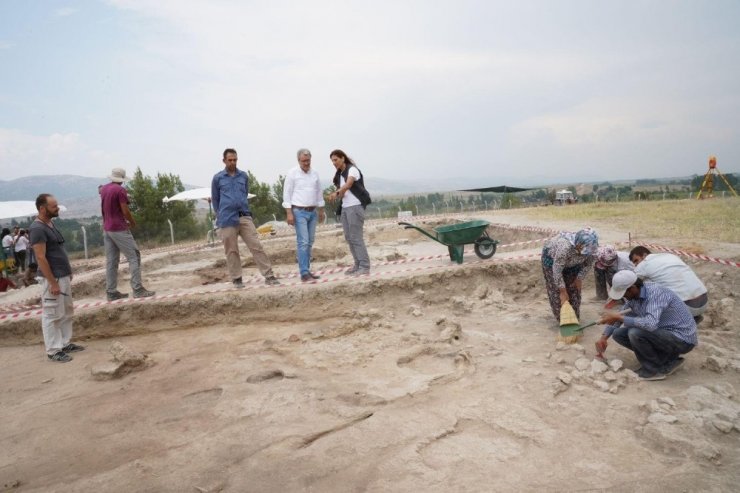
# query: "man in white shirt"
{"type": "Point", "coordinates": [304, 204]}
{"type": "Point", "coordinates": [21, 246]}
{"type": "Point", "coordinates": [671, 272]}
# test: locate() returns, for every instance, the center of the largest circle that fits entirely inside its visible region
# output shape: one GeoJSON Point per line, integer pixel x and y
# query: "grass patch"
{"type": "Point", "coordinates": [686, 220]}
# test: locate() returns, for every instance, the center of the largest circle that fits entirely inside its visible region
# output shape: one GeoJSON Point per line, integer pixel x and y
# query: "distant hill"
{"type": "Point", "coordinates": [80, 193]}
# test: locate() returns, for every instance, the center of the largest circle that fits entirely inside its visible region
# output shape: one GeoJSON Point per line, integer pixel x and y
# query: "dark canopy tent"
{"type": "Point", "coordinates": [501, 189]}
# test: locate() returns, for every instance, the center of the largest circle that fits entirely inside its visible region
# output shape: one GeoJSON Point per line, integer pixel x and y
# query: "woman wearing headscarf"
{"type": "Point", "coordinates": [608, 262]}
{"type": "Point", "coordinates": [566, 260]}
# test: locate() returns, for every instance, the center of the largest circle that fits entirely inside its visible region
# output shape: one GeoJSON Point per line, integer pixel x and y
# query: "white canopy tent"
{"type": "Point", "coordinates": [195, 194]}
{"type": "Point", "coordinates": [20, 208]}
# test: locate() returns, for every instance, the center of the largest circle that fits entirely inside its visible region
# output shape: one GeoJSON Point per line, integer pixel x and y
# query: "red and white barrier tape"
{"type": "Point", "coordinates": [692, 255]}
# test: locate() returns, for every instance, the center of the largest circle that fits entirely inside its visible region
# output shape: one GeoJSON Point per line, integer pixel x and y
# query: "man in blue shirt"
{"type": "Point", "coordinates": [659, 327]}
{"type": "Point", "coordinates": [229, 190]}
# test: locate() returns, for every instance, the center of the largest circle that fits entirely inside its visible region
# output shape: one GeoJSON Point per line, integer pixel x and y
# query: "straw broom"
{"type": "Point", "coordinates": [568, 317]}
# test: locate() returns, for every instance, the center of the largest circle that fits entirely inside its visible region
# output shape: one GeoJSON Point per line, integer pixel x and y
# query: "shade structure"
{"type": "Point", "coordinates": [20, 208]}
{"type": "Point", "coordinates": [195, 194]}
{"type": "Point", "coordinates": [499, 189]}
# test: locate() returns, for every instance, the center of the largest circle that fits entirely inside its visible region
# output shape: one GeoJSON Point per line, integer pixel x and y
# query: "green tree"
{"type": "Point", "coordinates": [277, 193]}
{"type": "Point", "coordinates": [510, 201]}
{"type": "Point", "coordinates": [151, 213]}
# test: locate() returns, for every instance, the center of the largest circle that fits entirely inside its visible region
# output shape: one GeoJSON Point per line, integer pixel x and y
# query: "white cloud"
{"type": "Point", "coordinates": [23, 154]}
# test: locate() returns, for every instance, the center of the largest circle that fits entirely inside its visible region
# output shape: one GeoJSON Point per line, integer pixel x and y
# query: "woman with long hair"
{"type": "Point", "coordinates": [351, 191]}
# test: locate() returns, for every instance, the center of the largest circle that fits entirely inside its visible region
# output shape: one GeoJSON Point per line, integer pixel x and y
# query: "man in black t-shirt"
{"type": "Point", "coordinates": [56, 297]}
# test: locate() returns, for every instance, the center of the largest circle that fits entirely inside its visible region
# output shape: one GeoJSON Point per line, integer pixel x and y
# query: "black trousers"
{"type": "Point", "coordinates": [654, 350]}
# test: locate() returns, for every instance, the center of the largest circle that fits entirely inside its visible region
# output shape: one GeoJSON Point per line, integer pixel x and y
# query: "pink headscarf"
{"type": "Point", "coordinates": [606, 256]}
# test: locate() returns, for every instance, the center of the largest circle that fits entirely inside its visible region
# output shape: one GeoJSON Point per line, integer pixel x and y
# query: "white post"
{"type": "Point", "coordinates": [172, 232]}
{"type": "Point", "coordinates": [380, 214]}
{"type": "Point", "coordinates": [434, 210]}
{"type": "Point", "coordinates": [448, 206]}
{"type": "Point", "coordinates": [416, 206]}
{"type": "Point", "coordinates": [274, 217]}
{"type": "Point", "coordinates": [461, 206]}
{"type": "Point", "coordinates": [84, 240]}
{"type": "Point", "coordinates": [663, 195]}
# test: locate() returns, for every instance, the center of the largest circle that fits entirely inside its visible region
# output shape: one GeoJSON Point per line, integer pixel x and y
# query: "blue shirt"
{"type": "Point", "coordinates": [229, 197]}
{"type": "Point", "coordinates": [659, 308]}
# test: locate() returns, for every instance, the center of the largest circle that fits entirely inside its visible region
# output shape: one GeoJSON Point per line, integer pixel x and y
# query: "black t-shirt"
{"type": "Point", "coordinates": [55, 254]}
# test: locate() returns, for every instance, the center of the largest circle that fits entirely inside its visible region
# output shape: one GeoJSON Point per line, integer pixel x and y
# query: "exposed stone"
{"type": "Point", "coordinates": [107, 371]}
{"type": "Point", "coordinates": [616, 364]}
{"type": "Point", "coordinates": [265, 375]}
{"type": "Point", "coordinates": [662, 418]}
{"type": "Point", "coordinates": [610, 376]}
{"type": "Point", "coordinates": [578, 348]}
{"type": "Point", "coordinates": [481, 292]}
{"type": "Point", "coordinates": [667, 400]}
{"type": "Point", "coordinates": [601, 385]}
{"type": "Point", "coordinates": [124, 355]}
{"type": "Point", "coordinates": [722, 425]}
{"type": "Point", "coordinates": [561, 346]}
{"type": "Point", "coordinates": [440, 320]}
{"type": "Point", "coordinates": [416, 312]}
{"type": "Point", "coordinates": [566, 378]}
{"type": "Point", "coordinates": [629, 375]}
{"type": "Point", "coordinates": [293, 338]}
{"type": "Point", "coordinates": [582, 364]}
{"type": "Point", "coordinates": [558, 387]}
{"type": "Point", "coordinates": [715, 364]}
{"type": "Point", "coordinates": [598, 366]}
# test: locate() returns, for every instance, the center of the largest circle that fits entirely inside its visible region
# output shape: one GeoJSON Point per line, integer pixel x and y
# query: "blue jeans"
{"type": "Point", "coordinates": [654, 350]}
{"type": "Point", "coordinates": [305, 231]}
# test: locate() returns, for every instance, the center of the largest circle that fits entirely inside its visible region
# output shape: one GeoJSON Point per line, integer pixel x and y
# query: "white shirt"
{"type": "Point", "coordinates": [21, 244]}
{"type": "Point", "coordinates": [349, 198]}
{"type": "Point", "coordinates": [8, 241]}
{"type": "Point", "coordinates": [669, 271]}
{"type": "Point", "coordinates": [302, 189]}
{"type": "Point", "coordinates": [624, 262]}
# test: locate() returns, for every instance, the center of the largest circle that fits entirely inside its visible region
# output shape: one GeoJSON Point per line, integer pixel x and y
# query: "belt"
{"type": "Point", "coordinates": [309, 209]}
{"type": "Point", "coordinates": [242, 214]}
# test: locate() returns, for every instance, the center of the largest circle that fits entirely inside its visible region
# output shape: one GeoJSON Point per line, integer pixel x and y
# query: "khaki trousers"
{"type": "Point", "coordinates": [248, 233]}
{"type": "Point", "coordinates": [56, 314]}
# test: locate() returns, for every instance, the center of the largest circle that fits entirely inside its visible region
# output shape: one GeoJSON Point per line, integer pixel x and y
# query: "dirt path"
{"type": "Point", "coordinates": [446, 379]}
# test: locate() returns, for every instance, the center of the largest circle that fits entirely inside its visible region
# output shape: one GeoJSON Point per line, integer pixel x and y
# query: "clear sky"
{"type": "Point", "coordinates": [411, 89]}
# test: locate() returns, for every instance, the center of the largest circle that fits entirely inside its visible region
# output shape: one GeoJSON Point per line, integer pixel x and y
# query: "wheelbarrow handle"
{"type": "Point", "coordinates": [407, 225]}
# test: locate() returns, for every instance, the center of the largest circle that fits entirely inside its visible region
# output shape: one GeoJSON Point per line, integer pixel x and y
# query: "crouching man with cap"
{"type": "Point", "coordinates": [658, 327]}
{"type": "Point", "coordinates": [117, 237]}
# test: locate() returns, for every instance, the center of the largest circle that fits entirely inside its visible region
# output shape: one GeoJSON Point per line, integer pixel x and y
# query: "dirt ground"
{"type": "Point", "coordinates": [425, 376]}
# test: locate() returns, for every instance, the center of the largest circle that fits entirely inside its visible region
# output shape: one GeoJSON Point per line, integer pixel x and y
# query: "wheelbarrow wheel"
{"type": "Point", "coordinates": [485, 247]}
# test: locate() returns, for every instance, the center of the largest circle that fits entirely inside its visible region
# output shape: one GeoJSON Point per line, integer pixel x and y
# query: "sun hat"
{"type": "Point", "coordinates": [621, 281]}
{"type": "Point", "coordinates": [117, 175]}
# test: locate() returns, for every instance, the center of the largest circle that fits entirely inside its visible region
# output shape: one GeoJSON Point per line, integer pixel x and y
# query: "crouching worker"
{"type": "Point", "coordinates": [659, 327]}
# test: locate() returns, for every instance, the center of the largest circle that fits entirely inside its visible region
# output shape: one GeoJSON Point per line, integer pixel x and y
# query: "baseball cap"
{"type": "Point", "coordinates": [621, 281]}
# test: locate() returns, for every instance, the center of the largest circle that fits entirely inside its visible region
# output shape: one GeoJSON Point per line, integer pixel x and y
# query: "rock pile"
{"type": "Point", "coordinates": [606, 377]}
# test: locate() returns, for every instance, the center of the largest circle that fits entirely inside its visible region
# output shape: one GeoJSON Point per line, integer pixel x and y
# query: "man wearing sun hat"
{"type": "Point", "coordinates": [658, 328]}
{"type": "Point", "coordinates": [117, 221]}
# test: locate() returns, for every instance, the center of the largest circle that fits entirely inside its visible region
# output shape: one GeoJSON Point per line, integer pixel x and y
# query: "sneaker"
{"type": "Point", "coordinates": [117, 296]}
{"type": "Point", "coordinates": [697, 320]}
{"type": "Point", "coordinates": [143, 293]}
{"type": "Point", "coordinates": [238, 282]}
{"type": "Point", "coordinates": [673, 366]}
{"type": "Point", "coordinates": [73, 348]}
{"type": "Point", "coordinates": [271, 281]}
{"type": "Point", "coordinates": [306, 278]}
{"type": "Point", "coordinates": [650, 376]}
{"type": "Point", "coordinates": [59, 357]}
{"type": "Point", "coordinates": [351, 272]}
{"type": "Point", "coordinates": [361, 272]}
{"type": "Point", "coordinates": [314, 276]}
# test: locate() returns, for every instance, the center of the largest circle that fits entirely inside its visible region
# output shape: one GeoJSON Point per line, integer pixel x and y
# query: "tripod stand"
{"type": "Point", "coordinates": [707, 184]}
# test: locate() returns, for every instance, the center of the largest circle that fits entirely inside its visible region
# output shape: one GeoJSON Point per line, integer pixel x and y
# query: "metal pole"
{"type": "Point", "coordinates": [172, 232]}
{"type": "Point", "coordinates": [84, 240]}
